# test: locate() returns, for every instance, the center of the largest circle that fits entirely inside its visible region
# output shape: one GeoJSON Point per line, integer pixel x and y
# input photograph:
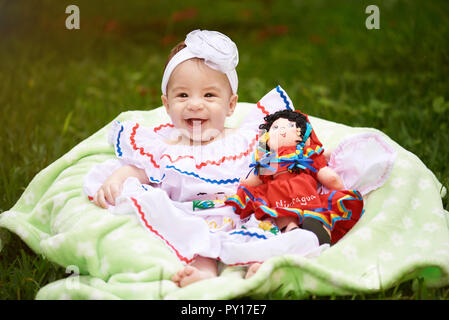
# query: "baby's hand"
{"type": "Point", "coordinates": [112, 187]}
{"type": "Point", "coordinates": [109, 191]}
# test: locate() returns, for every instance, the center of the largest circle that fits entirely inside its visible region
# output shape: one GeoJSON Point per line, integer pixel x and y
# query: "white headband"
{"type": "Point", "coordinates": [218, 51]}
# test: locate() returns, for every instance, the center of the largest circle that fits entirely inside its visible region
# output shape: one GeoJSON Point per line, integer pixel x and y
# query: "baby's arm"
{"type": "Point", "coordinates": [112, 187]}
{"type": "Point", "coordinates": [330, 179]}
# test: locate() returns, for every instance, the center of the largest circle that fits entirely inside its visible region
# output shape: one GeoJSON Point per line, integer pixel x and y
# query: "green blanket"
{"type": "Point", "coordinates": [403, 234]}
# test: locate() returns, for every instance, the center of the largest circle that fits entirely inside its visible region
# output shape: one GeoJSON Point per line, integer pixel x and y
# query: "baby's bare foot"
{"type": "Point", "coordinates": [191, 274]}
{"type": "Point", "coordinates": [252, 269]}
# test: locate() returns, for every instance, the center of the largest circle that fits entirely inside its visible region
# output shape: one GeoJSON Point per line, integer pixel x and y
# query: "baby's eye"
{"type": "Point", "coordinates": [291, 125]}
{"type": "Point", "coordinates": [209, 95]}
{"type": "Point", "coordinates": [275, 127]}
{"type": "Point", "coordinates": [182, 95]}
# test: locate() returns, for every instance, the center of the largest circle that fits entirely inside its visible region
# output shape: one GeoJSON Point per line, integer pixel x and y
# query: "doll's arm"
{"type": "Point", "coordinates": [251, 181]}
{"type": "Point", "coordinates": [327, 154]}
{"type": "Point", "coordinates": [329, 178]}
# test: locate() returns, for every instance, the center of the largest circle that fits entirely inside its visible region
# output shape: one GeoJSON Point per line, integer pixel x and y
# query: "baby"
{"type": "Point", "coordinates": [197, 96]}
{"type": "Point", "coordinates": [168, 175]}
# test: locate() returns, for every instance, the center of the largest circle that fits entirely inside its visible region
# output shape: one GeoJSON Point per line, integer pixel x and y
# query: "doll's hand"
{"type": "Point", "coordinates": [112, 187]}
{"type": "Point", "coordinates": [251, 181]}
{"type": "Point", "coordinates": [327, 154]}
{"type": "Point", "coordinates": [330, 179]}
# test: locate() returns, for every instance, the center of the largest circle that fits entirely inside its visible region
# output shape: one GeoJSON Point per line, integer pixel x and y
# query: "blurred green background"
{"type": "Point", "coordinates": [59, 86]}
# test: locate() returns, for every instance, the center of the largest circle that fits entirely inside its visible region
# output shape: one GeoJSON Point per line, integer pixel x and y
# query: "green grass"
{"type": "Point", "coordinates": [23, 273]}
{"type": "Point", "coordinates": [58, 86]}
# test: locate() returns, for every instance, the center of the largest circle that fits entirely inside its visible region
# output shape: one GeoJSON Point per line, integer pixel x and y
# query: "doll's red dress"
{"type": "Point", "coordinates": [296, 194]}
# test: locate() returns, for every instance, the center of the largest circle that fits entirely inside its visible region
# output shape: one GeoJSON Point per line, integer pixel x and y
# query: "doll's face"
{"type": "Point", "coordinates": [283, 133]}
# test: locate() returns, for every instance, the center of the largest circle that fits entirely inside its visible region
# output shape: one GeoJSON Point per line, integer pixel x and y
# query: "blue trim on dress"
{"type": "Point", "coordinates": [251, 234]}
{"type": "Point", "coordinates": [157, 180]}
{"type": "Point", "coordinates": [235, 180]}
{"type": "Point", "coordinates": [119, 150]}
{"type": "Point", "coordinates": [284, 97]}
{"type": "Point", "coordinates": [249, 194]}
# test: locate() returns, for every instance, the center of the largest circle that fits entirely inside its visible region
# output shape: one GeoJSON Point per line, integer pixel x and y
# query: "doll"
{"type": "Point", "coordinates": [283, 183]}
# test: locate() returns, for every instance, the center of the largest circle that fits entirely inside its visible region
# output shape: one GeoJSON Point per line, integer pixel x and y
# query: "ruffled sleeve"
{"type": "Point", "coordinates": [363, 161]}
{"type": "Point", "coordinates": [139, 146]}
{"type": "Point", "coordinates": [275, 100]}
{"type": "Point", "coordinates": [316, 153]}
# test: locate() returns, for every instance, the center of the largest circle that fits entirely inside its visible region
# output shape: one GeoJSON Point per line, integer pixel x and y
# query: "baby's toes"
{"type": "Point", "coordinates": [177, 276]}
{"type": "Point", "coordinates": [252, 270]}
{"type": "Point", "coordinates": [188, 271]}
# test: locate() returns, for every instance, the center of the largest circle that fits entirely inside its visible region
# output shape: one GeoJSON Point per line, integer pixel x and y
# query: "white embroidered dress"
{"type": "Point", "coordinates": [184, 204]}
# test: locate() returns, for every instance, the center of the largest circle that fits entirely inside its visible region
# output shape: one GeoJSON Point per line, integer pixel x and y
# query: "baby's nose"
{"type": "Point", "coordinates": [196, 104]}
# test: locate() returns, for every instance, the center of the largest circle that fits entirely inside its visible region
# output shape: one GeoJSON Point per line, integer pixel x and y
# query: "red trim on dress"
{"type": "Point", "coordinates": [168, 124]}
{"type": "Point", "coordinates": [202, 164]}
{"type": "Point", "coordinates": [141, 150]}
{"type": "Point", "coordinates": [241, 263]}
{"type": "Point", "coordinates": [219, 162]}
{"type": "Point", "coordinates": [142, 214]}
{"type": "Point", "coordinates": [182, 258]}
{"type": "Point", "coordinates": [262, 108]}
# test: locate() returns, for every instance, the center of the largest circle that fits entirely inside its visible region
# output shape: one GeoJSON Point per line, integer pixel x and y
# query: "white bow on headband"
{"type": "Point", "coordinates": [218, 51]}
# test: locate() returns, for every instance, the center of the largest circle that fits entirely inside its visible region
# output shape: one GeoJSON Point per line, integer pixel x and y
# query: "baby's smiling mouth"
{"type": "Point", "coordinates": [283, 134]}
{"type": "Point", "coordinates": [194, 122]}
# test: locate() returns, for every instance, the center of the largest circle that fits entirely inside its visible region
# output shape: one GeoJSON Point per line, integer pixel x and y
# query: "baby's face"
{"type": "Point", "coordinates": [198, 100]}
{"type": "Point", "coordinates": [283, 133]}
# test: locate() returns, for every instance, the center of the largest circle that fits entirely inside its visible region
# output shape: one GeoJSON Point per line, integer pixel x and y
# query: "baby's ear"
{"type": "Point", "coordinates": [232, 104]}
{"type": "Point", "coordinates": [164, 101]}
